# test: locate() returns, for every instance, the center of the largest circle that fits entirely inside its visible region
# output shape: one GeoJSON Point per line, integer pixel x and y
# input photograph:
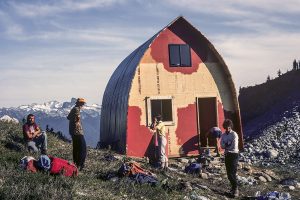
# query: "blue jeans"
{"type": "Point", "coordinates": [39, 142]}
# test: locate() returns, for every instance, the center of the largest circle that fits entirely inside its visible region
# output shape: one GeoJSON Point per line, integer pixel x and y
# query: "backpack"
{"type": "Point", "coordinates": [28, 163]}
{"type": "Point", "coordinates": [193, 168]}
{"type": "Point", "coordinates": [44, 163]}
{"type": "Point", "coordinates": [24, 161]}
{"type": "Point", "coordinates": [64, 167]}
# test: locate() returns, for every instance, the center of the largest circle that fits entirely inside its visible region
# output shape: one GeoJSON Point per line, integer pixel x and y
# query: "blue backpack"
{"type": "Point", "coordinates": [44, 163]}
{"type": "Point", "coordinates": [193, 168]}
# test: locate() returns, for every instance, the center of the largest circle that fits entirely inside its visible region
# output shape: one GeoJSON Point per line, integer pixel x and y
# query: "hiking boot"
{"type": "Point", "coordinates": [235, 193]}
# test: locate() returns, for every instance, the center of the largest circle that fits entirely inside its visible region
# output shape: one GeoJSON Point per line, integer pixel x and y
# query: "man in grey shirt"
{"type": "Point", "coordinates": [229, 142]}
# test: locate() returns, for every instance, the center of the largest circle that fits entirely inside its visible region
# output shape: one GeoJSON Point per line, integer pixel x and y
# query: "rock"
{"type": "Point", "coordinates": [292, 187]}
{"type": "Point", "coordinates": [289, 182]}
{"type": "Point", "coordinates": [285, 195]}
{"type": "Point", "coordinates": [271, 174]}
{"type": "Point", "coordinates": [114, 179]}
{"type": "Point", "coordinates": [297, 185]}
{"type": "Point", "coordinates": [271, 153]}
{"type": "Point", "coordinates": [183, 160]}
{"type": "Point", "coordinates": [195, 196]}
{"type": "Point", "coordinates": [204, 175]}
{"type": "Point", "coordinates": [187, 186]}
{"type": "Point", "coordinates": [247, 168]}
{"type": "Point", "coordinates": [269, 179]}
{"type": "Point", "coordinates": [262, 179]}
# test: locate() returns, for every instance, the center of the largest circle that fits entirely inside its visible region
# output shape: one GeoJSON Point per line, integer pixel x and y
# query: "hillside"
{"type": "Point", "coordinates": [54, 114]}
{"type": "Point", "coordinates": [99, 180]}
{"type": "Point", "coordinates": [265, 104]}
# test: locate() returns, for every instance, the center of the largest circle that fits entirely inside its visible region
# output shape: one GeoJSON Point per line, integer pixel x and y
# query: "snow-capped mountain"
{"type": "Point", "coordinates": [7, 118]}
{"type": "Point", "coordinates": [54, 113]}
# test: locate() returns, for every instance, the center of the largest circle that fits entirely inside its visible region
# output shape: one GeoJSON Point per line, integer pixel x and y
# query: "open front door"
{"type": "Point", "coordinates": [207, 118]}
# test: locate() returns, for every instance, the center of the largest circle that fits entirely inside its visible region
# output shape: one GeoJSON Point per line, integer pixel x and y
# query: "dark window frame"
{"type": "Point", "coordinates": [180, 55]}
{"type": "Point", "coordinates": [150, 113]}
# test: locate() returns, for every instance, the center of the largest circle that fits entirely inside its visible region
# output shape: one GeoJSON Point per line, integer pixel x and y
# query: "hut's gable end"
{"type": "Point", "coordinates": [183, 87]}
{"type": "Point", "coordinates": [152, 80]}
{"type": "Point", "coordinates": [160, 52]}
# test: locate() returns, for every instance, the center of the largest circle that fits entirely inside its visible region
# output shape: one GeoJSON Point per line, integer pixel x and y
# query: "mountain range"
{"type": "Point", "coordinates": [54, 113]}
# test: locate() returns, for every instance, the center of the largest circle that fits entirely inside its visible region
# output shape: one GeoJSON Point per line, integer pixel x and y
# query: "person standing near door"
{"type": "Point", "coordinates": [76, 132]}
{"type": "Point", "coordinates": [229, 142]}
{"type": "Point", "coordinates": [160, 129]}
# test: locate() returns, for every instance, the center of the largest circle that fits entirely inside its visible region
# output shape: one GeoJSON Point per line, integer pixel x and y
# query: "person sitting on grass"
{"type": "Point", "coordinates": [34, 137]}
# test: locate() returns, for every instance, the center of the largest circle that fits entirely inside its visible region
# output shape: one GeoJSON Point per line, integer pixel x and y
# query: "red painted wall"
{"type": "Point", "coordinates": [186, 131]}
{"type": "Point", "coordinates": [139, 137]}
{"type": "Point", "coordinates": [160, 52]}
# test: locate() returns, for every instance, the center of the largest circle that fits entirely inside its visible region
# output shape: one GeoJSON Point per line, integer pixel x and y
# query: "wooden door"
{"type": "Point", "coordinates": [207, 118]}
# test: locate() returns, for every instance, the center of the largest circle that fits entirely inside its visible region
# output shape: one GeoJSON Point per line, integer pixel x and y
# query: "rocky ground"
{"type": "Point", "coordinates": [277, 144]}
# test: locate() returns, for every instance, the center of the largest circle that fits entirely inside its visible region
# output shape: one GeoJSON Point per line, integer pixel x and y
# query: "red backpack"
{"type": "Point", "coordinates": [64, 167]}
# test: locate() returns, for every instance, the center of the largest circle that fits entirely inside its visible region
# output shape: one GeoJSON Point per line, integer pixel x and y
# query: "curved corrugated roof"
{"type": "Point", "coordinates": [113, 123]}
{"type": "Point", "coordinates": [115, 99]}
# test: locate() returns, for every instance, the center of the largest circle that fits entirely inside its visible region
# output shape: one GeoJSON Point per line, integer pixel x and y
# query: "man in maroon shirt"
{"type": "Point", "coordinates": [34, 137]}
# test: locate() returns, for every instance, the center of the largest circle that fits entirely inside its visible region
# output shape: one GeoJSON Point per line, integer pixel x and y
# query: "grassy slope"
{"type": "Point", "coordinates": [91, 184]}
{"type": "Point", "coordinates": [18, 184]}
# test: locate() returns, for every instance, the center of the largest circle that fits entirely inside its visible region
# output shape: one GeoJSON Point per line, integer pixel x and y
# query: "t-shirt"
{"type": "Point", "coordinates": [29, 128]}
{"type": "Point", "coordinates": [75, 127]}
{"type": "Point", "coordinates": [160, 128]}
{"type": "Point", "coordinates": [230, 142]}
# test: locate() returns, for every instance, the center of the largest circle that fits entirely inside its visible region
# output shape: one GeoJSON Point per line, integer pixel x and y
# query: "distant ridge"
{"type": "Point", "coordinates": [265, 104]}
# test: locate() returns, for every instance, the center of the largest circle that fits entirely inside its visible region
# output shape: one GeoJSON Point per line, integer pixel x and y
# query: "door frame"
{"type": "Point", "coordinates": [198, 118]}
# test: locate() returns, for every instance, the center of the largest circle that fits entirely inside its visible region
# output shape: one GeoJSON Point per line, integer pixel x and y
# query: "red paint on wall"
{"type": "Point", "coordinates": [139, 137]}
{"type": "Point", "coordinates": [186, 131]}
{"type": "Point", "coordinates": [160, 52]}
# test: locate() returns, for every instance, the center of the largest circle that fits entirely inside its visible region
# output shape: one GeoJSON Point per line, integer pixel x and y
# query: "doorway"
{"type": "Point", "coordinates": [207, 118]}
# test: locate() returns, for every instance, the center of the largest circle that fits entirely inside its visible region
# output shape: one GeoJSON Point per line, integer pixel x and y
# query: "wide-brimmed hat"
{"type": "Point", "coordinates": [81, 100]}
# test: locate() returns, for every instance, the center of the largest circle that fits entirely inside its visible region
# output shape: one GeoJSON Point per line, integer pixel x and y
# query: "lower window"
{"type": "Point", "coordinates": [160, 106]}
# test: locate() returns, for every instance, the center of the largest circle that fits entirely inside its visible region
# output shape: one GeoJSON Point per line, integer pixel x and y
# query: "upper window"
{"type": "Point", "coordinates": [180, 55]}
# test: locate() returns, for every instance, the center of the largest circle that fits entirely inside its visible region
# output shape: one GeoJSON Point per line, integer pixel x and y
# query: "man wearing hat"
{"type": "Point", "coordinates": [76, 132]}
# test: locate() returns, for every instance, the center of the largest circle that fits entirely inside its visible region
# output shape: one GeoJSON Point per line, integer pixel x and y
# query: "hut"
{"type": "Point", "coordinates": [176, 73]}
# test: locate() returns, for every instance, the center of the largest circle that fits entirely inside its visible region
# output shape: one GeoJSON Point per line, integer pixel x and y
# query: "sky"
{"type": "Point", "coordinates": [59, 49]}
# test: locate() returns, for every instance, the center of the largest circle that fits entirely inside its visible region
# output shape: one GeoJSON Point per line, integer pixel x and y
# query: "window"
{"type": "Point", "coordinates": [180, 55]}
{"type": "Point", "coordinates": [160, 106]}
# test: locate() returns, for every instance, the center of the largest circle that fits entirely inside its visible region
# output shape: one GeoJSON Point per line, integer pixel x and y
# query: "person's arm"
{"type": "Point", "coordinates": [223, 145]}
{"type": "Point", "coordinates": [235, 141]}
{"type": "Point", "coordinates": [37, 132]}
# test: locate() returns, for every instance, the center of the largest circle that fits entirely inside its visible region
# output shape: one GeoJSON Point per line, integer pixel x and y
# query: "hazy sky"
{"type": "Point", "coordinates": [58, 49]}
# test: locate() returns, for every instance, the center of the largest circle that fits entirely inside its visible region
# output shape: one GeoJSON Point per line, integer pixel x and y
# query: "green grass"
{"type": "Point", "coordinates": [16, 183]}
